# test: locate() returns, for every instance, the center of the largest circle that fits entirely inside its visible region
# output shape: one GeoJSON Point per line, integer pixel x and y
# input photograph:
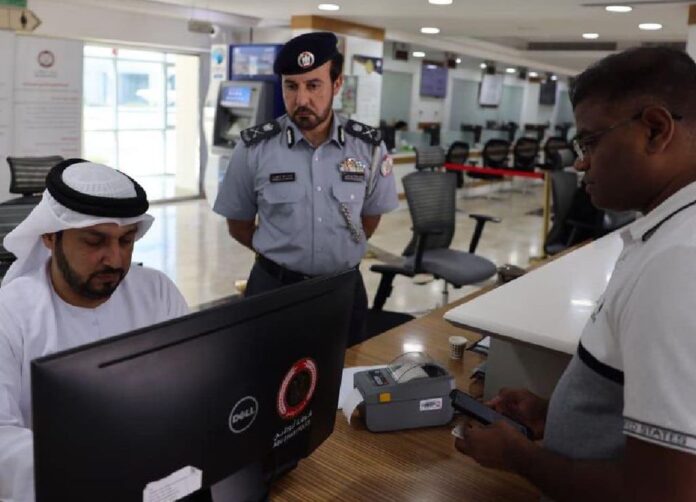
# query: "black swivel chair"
{"type": "Point", "coordinates": [495, 154]}
{"type": "Point", "coordinates": [563, 188]}
{"type": "Point", "coordinates": [429, 157]}
{"type": "Point", "coordinates": [28, 177]}
{"type": "Point", "coordinates": [458, 153]}
{"type": "Point", "coordinates": [525, 153]}
{"type": "Point", "coordinates": [431, 202]}
{"type": "Point", "coordinates": [558, 154]}
{"type": "Point", "coordinates": [575, 219]}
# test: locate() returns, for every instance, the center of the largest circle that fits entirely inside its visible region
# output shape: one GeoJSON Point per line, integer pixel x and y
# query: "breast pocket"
{"type": "Point", "coordinates": [351, 194]}
{"type": "Point", "coordinates": [281, 199]}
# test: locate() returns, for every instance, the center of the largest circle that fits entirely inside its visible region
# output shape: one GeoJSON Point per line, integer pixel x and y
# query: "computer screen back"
{"type": "Point", "coordinates": [216, 390]}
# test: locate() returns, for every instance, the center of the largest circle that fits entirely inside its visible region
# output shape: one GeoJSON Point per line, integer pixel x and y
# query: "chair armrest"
{"type": "Point", "coordinates": [484, 217]}
{"type": "Point", "coordinates": [481, 220]}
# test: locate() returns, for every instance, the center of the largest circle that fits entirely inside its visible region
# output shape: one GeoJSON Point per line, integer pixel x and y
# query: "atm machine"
{"type": "Point", "coordinates": [240, 105]}
{"type": "Point", "coordinates": [250, 94]}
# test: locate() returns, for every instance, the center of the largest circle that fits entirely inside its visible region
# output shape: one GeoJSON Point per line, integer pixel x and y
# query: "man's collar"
{"type": "Point", "coordinates": [644, 228]}
{"type": "Point", "coordinates": [293, 134]}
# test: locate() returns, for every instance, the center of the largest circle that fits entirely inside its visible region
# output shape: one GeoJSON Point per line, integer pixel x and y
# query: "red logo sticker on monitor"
{"type": "Point", "coordinates": [297, 388]}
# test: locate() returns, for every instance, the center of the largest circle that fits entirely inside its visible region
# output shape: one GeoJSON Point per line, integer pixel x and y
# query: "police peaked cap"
{"type": "Point", "coordinates": [305, 53]}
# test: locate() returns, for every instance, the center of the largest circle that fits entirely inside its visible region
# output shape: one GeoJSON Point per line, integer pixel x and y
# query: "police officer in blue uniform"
{"type": "Point", "coordinates": [317, 181]}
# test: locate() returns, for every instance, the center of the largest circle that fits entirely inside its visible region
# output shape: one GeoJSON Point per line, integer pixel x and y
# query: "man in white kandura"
{"type": "Point", "coordinates": [71, 284]}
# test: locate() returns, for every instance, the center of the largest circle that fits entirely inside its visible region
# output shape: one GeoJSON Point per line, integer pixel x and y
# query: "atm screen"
{"type": "Point", "coordinates": [236, 96]}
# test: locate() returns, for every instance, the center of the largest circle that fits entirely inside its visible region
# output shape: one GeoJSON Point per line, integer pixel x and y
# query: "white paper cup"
{"type": "Point", "coordinates": [457, 345]}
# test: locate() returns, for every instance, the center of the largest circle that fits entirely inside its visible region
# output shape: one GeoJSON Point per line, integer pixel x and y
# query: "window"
{"type": "Point", "coordinates": [140, 115]}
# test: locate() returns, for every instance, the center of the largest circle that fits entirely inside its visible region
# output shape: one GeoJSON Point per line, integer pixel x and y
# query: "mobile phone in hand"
{"type": "Point", "coordinates": [469, 406]}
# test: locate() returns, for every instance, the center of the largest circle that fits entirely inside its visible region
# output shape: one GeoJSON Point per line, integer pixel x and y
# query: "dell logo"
{"type": "Point", "coordinates": [243, 414]}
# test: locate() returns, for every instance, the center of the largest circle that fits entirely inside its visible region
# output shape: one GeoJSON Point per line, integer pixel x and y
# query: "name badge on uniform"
{"type": "Point", "coordinates": [282, 177]}
{"type": "Point", "coordinates": [352, 170]}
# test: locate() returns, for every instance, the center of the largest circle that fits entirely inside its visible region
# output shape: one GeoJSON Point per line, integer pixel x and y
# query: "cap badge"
{"type": "Point", "coordinates": [305, 59]}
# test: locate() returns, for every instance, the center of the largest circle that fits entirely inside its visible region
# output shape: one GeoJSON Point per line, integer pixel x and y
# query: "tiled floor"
{"type": "Point", "coordinates": [190, 244]}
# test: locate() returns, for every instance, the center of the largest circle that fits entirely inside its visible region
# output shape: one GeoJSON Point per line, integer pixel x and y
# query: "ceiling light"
{"type": "Point", "coordinates": [440, 2]}
{"type": "Point", "coordinates": [554, 77]}
{"type": "Point", "coordinates": [483, 66]}
{"type": "Point", "coordinates": [418, 54]}
{"type": "Point", "coordinates": [430, 30]}
{"type": "Point", "coordinates": [328, 6]}
{"type": "Point", "coordinates": [650, 26]}
{"type": "Point", "coordinates": [510, 70]}
{"type": "Point", "coordinates": [458, 60]}
{"type": "Point", "coordinates": [590, 36]}
{"type": "Point", "coordinates": [533, 74]}
{"type": "Point", "coordinates": [618, 8]}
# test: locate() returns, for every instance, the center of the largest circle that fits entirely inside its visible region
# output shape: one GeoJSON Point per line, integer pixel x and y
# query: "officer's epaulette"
{"type": "Point", "coordinates": [258, 133]}
{"type": "Point", "coordinates": [364, 132]}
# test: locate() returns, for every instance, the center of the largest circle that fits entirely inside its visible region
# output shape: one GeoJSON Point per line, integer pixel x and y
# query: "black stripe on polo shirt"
{"type": "Point", "coordinates": [599, 367]}
{"type": "Point", "coordinates": [659, 434]}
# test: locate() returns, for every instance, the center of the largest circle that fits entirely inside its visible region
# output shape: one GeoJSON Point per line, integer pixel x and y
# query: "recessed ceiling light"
{"type": "Point", "coordinates": [590, 36]}
{"type": "Point", "coordinates": [440, 2]}
{"type": "Point", "coordinates": [483, 66]}
{"type": "Point", "coordinates": [618, 8]}
{"type": "Point", "coordinates": [650, 26]}
{"type": "Point", "coordinates": [533, 74]}
{"type": "Point", "coordinates": [554, 77]}
{"type": "Point", "coordinates": [458, 60]}
{"type": "Point", "coordinates": [429, 30]}
{"type": "Point", "coordinates": [510, 70]}
{"type": "Point", "coordinates": [328, 6]}
{"type": "Point", "coordinates": [418, 54]}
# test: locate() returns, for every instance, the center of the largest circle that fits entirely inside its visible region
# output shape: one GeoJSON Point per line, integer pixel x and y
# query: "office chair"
{"type": "Point", "coordinates": [429, 157]}
{"type": "Point", "coordinates": [458, 153]}
{"type": "Point", "coordinates": [563, 187]}
{"type": "Point", "coordinates": [558, 154]}
{"type": "Point", "coordinates": [28, 177]}
{"type": "Point", "coordinates": [575, 219]}
{"type": "Point", "coordinates": [525, 154]}
{"type": "Point", "coordinates": [495, 154]}
{"type": "Point", "coordinates": [431, 202]}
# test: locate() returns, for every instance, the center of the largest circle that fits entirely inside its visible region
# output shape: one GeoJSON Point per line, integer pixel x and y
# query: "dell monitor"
{"type": "Point", "coordinates": [199, 397]}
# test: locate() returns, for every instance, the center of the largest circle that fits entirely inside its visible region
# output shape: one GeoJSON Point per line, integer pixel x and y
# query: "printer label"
{"type": "Point", "coordinates": [433, 404]}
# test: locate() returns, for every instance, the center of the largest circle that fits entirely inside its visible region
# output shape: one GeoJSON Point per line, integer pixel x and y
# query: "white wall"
{"type": "Point", "coordinates": [424, 109]}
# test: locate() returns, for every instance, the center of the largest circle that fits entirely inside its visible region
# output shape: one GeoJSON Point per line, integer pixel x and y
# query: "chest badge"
{"type": "Point", "coordinates": [351, 165]}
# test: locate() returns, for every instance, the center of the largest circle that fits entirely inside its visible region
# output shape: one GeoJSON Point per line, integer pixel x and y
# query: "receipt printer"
{"type": "Point", "coordinates": [413, 391]}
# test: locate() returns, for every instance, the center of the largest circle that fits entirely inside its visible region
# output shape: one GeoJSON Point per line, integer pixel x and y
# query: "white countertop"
{"type": "Point", "coordinates": [548, 306]}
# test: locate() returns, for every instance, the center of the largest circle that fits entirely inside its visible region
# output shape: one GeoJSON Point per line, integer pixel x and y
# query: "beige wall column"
{"type": "Point", "coordinates": [691, 40]}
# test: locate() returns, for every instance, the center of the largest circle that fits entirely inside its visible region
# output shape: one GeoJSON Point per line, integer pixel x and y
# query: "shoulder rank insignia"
{"type": "Point", "coordinates": [256, 134]}
{"type": "Point", "coordinates": [364, 132]}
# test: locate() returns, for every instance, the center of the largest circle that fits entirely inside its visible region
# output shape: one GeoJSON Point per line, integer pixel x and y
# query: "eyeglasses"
{"type": "Point", "coordinates": [583, 146]}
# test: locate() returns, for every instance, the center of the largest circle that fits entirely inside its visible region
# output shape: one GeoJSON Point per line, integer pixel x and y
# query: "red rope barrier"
{"type": "Point", "coordinates": [493, 170]}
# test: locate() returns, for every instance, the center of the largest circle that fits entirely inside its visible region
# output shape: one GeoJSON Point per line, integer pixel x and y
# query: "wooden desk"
{"type": "Point", "coordinates": [416, 465]}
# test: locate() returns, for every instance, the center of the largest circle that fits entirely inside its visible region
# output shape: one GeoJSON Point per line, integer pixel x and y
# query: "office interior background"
{"type": "Point", "coordinates": [135, 88]}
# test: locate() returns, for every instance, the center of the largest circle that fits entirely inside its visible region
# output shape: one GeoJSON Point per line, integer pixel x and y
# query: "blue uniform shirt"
{"type": "Point", "coordinates": [303, 195]}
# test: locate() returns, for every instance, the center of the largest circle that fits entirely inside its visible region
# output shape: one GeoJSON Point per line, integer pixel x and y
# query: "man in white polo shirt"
{"type": "Point", "coordinates": [621, 423]}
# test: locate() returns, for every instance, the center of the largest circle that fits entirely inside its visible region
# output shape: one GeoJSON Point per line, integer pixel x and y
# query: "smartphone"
{"type": "Point", "coordinates": [471, 407]}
